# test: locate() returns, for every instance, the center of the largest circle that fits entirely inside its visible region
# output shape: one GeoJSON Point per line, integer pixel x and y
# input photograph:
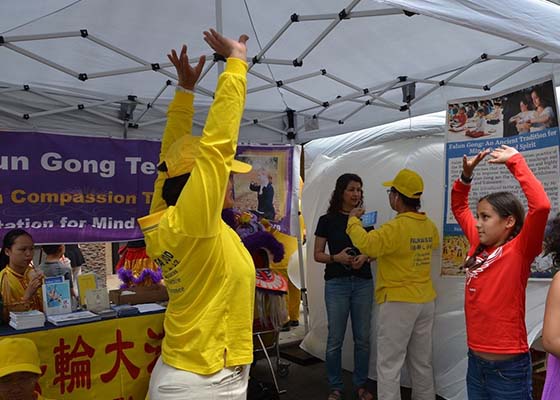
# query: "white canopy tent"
{"type": "Point", "coordinates": [423, 153]}
{"type": "Point", "coordinates": [339, 65]}
{"type": "Point", "coordinates": [318, 68]}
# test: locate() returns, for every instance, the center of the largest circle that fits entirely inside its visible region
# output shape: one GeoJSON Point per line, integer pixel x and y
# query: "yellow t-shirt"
{"type": "Point", "coordinates": [403, 248]}
{"type": "Point", "coordinates": [208, 272]}
{"type": "Point", "coordinates": [12, 289]}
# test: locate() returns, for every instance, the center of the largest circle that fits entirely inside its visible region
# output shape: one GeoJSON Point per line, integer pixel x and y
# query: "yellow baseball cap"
{"type": "Point", "coordinates": [408, 183]}
{"type": "Point", "coordinates": [18, 355]}
{"type": "Point", "coordinates": [181, 156]}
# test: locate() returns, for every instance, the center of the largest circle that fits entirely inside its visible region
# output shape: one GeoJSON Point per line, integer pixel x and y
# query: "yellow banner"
{"type": "Point", "coordinates": [102, 360]}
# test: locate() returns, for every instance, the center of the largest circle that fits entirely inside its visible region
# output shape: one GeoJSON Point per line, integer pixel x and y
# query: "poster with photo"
{"type": "Point", "coordinates": [266, 190]}
{"type": "Point", "coordinates": [525, 118]}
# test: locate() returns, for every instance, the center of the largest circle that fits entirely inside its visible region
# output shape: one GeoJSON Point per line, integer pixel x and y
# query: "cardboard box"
{"type": "Point", "coordinates": [139, 295]}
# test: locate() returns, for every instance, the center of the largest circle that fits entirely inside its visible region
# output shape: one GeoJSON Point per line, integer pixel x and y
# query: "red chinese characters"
{"type": "Point", "coordinates": [119, 347]}
{"type": "Point", "coordinates": [148, 348]}
{"type": "Point", "coordinates": [73, 366]}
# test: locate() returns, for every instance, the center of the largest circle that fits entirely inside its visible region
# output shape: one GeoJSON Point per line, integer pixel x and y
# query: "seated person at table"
{"type": "Point", "coordinates": [19, 369]}
{"type": "Point", "coordinates": [55, 264]}
{"type": "Point", "coordinates": [20, 283]}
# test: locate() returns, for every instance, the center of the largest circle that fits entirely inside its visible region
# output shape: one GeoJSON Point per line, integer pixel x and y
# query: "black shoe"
{"type": "Point", "coordinates": [294, 323]}
{"type": "Point", "coordinates": [285, 327]}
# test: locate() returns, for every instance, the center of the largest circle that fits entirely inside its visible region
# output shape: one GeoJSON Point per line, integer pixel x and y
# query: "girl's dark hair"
{"type": "Point", "coordinates": [335, 203]}
{"type": "Point", "coordinates": [506, 205]}
{"type": "Point", "coordinates": [7, 242]}
{"type": "Point", "coordinates": [172, 188]}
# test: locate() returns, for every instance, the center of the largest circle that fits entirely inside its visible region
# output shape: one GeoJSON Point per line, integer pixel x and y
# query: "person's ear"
{"type": "Point", "coordinates": [510, 221]}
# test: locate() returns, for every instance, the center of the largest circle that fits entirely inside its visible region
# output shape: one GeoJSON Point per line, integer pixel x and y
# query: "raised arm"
{"type": "Point", "coordinates": [179, 115]}
{"type": "Point", "coordinates": [532, 233]}
{"type": "Point", "coordinates": [460, 197]}
{"type": "Point", "coordinates": [199, 207]}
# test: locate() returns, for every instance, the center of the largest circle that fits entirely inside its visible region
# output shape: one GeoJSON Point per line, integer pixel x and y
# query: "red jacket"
{"type": "Point", "coordinates": [495, 290]}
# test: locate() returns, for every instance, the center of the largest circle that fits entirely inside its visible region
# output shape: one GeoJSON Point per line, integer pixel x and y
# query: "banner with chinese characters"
{"type": "Point", "coordinates": [525, 118]}
{"type": "Point", "coordinates": [110, 359]}
{"type": "Point", "coordinates": [68, 189]}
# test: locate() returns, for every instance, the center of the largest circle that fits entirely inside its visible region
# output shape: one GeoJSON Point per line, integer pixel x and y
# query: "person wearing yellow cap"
{"type": "Point", "coordinates": [208, 272]}
{"type": "Point", "coordinates": [404, 291]}
{"type": "Point", "coordinates": [19, 369]}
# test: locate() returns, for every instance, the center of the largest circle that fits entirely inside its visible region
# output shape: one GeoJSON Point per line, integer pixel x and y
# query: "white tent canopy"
{"type": "Point", "coordinates": [81, 60]}
{"type": "Point", "coordinates": [424, 154]}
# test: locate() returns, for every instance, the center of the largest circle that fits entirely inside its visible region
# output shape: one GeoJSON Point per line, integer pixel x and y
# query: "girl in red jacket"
{"type": "Point", "coordinates": [503, 247]}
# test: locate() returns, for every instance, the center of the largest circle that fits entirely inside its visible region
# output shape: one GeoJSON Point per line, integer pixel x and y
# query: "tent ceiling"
{"type": "Point", "coordinates": [351, 65]}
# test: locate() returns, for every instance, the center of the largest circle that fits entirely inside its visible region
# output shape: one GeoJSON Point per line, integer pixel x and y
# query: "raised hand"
{"type": "Point", "coordinates": [469, 164]}
{"type": "Point", "coordinates": [357, 212]}
{"type": "Point", "coordinates": [34, 284]}
{"type": "Point", "coordinates": [225, 46]}
{"type": "Point", "coordinates": [502, 154]}
{"type": "Point", "coordinates": [188, 76]}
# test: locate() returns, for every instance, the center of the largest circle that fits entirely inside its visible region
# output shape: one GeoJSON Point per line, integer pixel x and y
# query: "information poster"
{"type": "Point", "coordinates": [525, 118]}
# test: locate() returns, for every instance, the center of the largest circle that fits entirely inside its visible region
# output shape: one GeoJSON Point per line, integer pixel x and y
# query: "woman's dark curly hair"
{"type": "Point", "coordinates": [335, 204]}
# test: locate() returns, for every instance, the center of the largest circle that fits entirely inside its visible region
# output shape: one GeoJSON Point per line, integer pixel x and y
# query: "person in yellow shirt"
{"type": "Point", "coordinates": [404, 292]}
{"type": "Point", "coordinates": [19, 369]}
{"type": "Point", "coordinates": [20, 283]}
{"type": "Point", "coordinates": [208, 272]}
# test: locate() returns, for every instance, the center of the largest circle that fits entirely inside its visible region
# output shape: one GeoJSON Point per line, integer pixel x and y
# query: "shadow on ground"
{"type": "Point", "coordinates": [309, 381]}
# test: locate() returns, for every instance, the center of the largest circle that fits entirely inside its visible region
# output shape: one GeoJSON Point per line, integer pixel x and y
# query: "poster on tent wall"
{"type": "Point", "coordinates": [266, 191]}
{"type": "Point", "coordinates": [71, 189]}
{"type": "Point", "coordinates": [525, 118]}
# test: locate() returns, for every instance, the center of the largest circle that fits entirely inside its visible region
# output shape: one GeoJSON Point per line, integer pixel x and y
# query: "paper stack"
{"type": "Point", "coordinates": [73, 318]}
{"type": "Point", "coordinates": [27, 319]}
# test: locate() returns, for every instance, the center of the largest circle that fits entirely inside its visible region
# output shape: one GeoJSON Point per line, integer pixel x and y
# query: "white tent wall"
{"type": "Point", "coordinates": [377, 164]}
{"type": "Point", "coordinates": [359, 56]}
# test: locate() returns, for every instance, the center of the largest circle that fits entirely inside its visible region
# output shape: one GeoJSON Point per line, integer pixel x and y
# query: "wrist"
{"type": "Point", "coordinates": [331, 258]}
{"type": "Point", "coordinates": [466, 179]}
{"type": "Point", "coordinates": [180, 88]}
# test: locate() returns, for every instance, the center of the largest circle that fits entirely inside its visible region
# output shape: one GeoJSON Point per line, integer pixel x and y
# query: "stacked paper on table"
{"type": "Point", "coordinates": [149, 307]}
{"type": "Point", "coordinates": [73, 318]}
{"type": "Point", "coordinates": [27, 319]}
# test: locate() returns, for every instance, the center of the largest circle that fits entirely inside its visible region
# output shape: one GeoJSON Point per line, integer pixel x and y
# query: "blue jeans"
{"type": "Point", "coordinates": [344, 296]}
{"type": "Point", "coordinates": [500, 380]}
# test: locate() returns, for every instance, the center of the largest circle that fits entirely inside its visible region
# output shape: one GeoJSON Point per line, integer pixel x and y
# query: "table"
{"type": "Point", "coordinates": [103, 360]}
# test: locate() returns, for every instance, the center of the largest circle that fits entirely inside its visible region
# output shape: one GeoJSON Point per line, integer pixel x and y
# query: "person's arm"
{"type": "Point", "coordinates": [179, 116]}
{"type": "Point", "coordinates": [198, 209]}
{"type": "Point", "coordinates": [515, 118]}
{"type": "Point", "coordinates": [320, 256]}
{"type": "Point", "coordinates": [460, 197]}
{"type": "Point", "coordinates": [532, 234]}
{"type": "Point", "coordinates": [551, 324]}
{"type": "Point", "coordinates": [543, 118]}
{"type": "Point", "coordinates": [374, 243]}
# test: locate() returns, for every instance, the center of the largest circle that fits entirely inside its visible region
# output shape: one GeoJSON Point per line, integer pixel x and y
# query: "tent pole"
{"type": "Point", "coordinates": [220, 29]}
{"type": "Point", "coordinates": [291, 136]}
